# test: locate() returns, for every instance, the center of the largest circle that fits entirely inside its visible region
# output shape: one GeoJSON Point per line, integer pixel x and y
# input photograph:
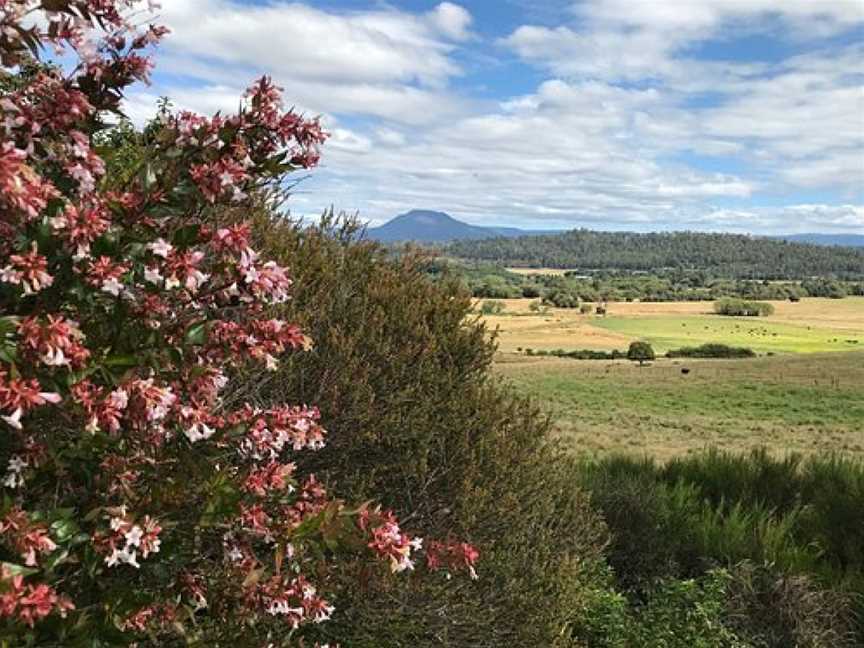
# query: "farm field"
{"type": "Point", "coordinates": [804, 403]}
{"type": "Point", "coordinates": [811, 326]}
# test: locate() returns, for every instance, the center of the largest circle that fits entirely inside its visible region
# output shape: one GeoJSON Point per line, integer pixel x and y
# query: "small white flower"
{"type": "Point", "coordinates": [130, 557]}
{"type": "Point", "coordinates": [55, 358]}
{"type": "Point", "coordinates": [199, 432]}
{"type": "Point", "coordinates": [152, 275]}
{"type": "Point", "coordinates": [161, 247]}
{"type": "Point", "coordinates": [112, 286]}
{"type": "Point", "coordinates": [133, 536]}
{"type": "Point", "coordinates": [14, 419]}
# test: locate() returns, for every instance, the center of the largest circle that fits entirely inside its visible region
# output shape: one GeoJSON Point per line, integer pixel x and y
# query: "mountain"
{"type": "Point", "coordinates": [847, 240]}
{"type": "Point", "coordinates": [426, 226]}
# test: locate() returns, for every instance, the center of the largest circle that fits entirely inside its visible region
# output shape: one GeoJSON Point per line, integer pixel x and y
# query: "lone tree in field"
{"type": "Point", "coordinates": [640, 352]}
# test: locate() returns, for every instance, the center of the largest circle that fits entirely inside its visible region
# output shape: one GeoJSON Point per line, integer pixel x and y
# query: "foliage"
{"type": "Point", "coordinates": [561, 298]}
{"type": "Point", "coordinates": [146, 497]}
{"type": "Point", "coordinates": [660, 285]}
{"type": "Point", "coordinates": [492, 307]}
{"type": "Point", "coordinates": [417, 421]}
{"type": "Point", "coordinates": [723, 255]}
{"type": "Point", "coordinates": [825, 287]}
{"type": "Point", "coordinates": [797, 518]}
{"type": "Point", "coordinates": [739, 307]}
{"type": "Point", "coordinates": [675, 613]}
{"type": "Point", "coordinates": [579, 354]}
{"type": "Point", "coordinates": [711, 351]}
{"type": "Point", "coordinates": [640, 352]}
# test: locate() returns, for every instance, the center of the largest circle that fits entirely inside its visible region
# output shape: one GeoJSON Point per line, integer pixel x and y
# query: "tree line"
{"type": "Point", "coordinates": [722, 255]}
{"type": "Point", "coordinates": [488, 281]}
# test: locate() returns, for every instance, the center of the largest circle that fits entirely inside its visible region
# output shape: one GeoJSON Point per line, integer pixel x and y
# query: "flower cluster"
{"type": "Point", "coordinates": [125, 538]}
{"type": "Point", "coordinates": [388, 540]}
{"type": "Point", "coordinates": [27, 538]}
{"type": "Point", "coordinates": [131, 298]}
{"type": "Point", "coordinates": [27, 602]}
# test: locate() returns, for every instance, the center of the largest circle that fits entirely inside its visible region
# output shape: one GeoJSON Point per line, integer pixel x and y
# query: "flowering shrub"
{"type": "Point", "coordinates": [142, 499]}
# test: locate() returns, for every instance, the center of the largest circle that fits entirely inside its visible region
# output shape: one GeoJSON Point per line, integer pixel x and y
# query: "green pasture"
{"type": "Point", "coordinates": [763, 335]}
{"type": "Point", "coordinates": [805, 403]}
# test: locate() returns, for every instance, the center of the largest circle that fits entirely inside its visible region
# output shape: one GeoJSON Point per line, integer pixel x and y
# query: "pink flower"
{"type": "Point", "coordinates": [28, 270]}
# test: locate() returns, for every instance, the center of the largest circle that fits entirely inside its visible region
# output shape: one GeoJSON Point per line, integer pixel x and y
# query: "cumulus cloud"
{"type": "Point", "coordinates": [620, 133]}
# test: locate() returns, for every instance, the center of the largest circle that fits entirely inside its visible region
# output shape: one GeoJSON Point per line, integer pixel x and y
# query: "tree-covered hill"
{"type": "Point", "coordinates": [723, 255]}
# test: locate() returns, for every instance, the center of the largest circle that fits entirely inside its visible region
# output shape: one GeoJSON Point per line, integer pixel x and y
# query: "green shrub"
{"type": "Point", "coordinates": [688, 614]}
{"type": "Point", "coordinates": [561, 298]}
{"type": "Point", "coordinates": [415, 416]}
{"type": "Point", "coordinates": [740, 307]}
{"type": "Point", "coordinates": [676, 613]}
{"type": "Point", "coordinates": [491, 307]}
{"type": "Point", "coordinates": [802, 520]}
{"type": "Point", "coordinates": [582, 354]}
{"type": "Point", "coordinates": [530, 291]}
{"type": "Point", "coordinates": [711, 350]}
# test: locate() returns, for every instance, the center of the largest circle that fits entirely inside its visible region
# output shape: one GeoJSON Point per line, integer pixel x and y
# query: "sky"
{"type": "Point", "coordinates": [720, 115]}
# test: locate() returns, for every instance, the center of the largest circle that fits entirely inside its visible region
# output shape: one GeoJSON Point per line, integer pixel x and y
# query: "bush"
{"type": "Point", "coordinates": [799, 520]}
{"type": "Point", "coordinates": [149, 494]}
{"type": "Point", "coordinates": [561, 298]}
{"type": "Point", "coordinates": [531, 291]}
{"type": "Point", "coordinates": [492, 307]}
{"type": "Point", "coordinates": [740, 307]}
{"type": "Point", "coordinates": [582, 354]}
{"type": "Point", "coordinates": [417, 419]}
{"type": "Point", "coordinates": [773, 610]}
{"type": "Point", "coordinates": [711, 351]}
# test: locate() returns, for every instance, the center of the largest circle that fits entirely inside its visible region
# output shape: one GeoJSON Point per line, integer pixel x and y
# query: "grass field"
{"type": "Point", "coordinates": [805, 403]}
{"type": "Point", "coordinates": [810, 326]}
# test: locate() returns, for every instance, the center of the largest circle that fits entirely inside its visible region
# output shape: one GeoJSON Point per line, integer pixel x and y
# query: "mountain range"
{"type": "Point", "coordinates": [427, 226]}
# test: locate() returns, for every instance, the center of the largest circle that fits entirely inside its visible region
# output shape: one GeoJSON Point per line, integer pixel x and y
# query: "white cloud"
{"type": "Point", "coordinates": [451, 20]}
{"type": "Point", "coordinates": [385, 63]}
{"type": "Point", "coordinates": [614, 138]}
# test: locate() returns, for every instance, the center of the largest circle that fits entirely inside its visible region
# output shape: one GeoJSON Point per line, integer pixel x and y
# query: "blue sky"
{"type": "Point", "coordinates": [736, 115]}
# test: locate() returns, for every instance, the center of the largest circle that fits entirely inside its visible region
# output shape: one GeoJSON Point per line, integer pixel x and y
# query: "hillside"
{"type": "Point", "coordinates": [426, 226]}
{"type": "Point", "coordinates": [848, 240]}
{"type": "Point", "coordinates": [723, 255]}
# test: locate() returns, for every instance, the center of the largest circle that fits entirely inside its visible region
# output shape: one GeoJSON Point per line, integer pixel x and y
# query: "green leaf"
{"type": "Point", "coordinates": [16, 570]}
{"type": "Point", "coordinates": [121, 361]}
{"type": "Point", "coordinates": [63, 530]}
{"type": "Point", "coordinates": [195, 334]}
{"type": "Point", "coordinates": [55, 559]}
{"type": "Point", "coordinates": [186, 236]}
{"type": "Point", "coordinates": [8, 324]}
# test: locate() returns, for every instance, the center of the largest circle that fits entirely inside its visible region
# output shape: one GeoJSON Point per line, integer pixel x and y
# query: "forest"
{"type": "Point", "coordinates": [731, 256]}
{"type": "Point", "coordinates": [567, 289]}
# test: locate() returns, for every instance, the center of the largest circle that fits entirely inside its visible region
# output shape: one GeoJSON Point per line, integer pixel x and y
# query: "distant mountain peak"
{"type": "Point", "coordinates": [429, 226]}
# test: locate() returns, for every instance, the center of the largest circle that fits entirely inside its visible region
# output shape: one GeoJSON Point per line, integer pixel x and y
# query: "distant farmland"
{"type": "Point", "coordinates": [810, 326]}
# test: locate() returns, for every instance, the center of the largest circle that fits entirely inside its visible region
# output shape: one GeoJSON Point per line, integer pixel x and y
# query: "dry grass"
{"type": "Point", "coordinates": [812, 325]}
